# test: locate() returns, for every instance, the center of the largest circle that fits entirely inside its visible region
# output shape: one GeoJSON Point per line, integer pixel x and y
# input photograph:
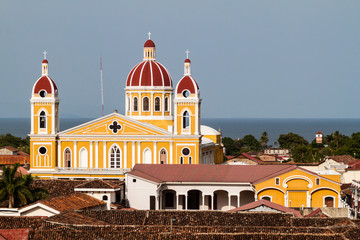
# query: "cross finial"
{"type": "Point", "coordinates": [149, 33]}
{"type": "Point", "coordinates": [187, 53]}
{"type": "Point", "coordinates": [45, 52]}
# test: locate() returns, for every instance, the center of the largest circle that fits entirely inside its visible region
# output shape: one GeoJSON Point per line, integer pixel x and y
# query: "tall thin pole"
{"type": "Point", "coordinates": [102, 91]}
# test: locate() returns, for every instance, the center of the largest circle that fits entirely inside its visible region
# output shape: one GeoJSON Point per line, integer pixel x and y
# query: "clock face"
{"type": "Point", "coordinates": [42, 93]}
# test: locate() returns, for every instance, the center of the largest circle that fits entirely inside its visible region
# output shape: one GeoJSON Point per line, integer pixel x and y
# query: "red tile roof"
{"type": "Point", "coordinates": [208, 173]}
{"type": "Point", "coordinates": [317, 213]}
{"type": "Point", "coordinates": [13, 149]}
{"type": "Point", "coordinates": [251, 158]}
{"type": "Point", "coordinates": [11, 159]}
{"type": "Point", "coordinates": [343, 159]}
{"type": "Point", "coordinates": [263, 202]}
{"type": "Point", "coordinates": [354, 165]}
{"type": "Point", "coordinates": [98, 184]}
{"type": "Point", "coordinates": [67, 203]}
{"type": "Point", "coordinates": [14, 234]}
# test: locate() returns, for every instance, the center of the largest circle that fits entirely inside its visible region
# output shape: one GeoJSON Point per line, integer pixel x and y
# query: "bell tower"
{"type": "Point", "coordinates": [44, 120]}
{"type": "Point", "coordinates": [187, 103]}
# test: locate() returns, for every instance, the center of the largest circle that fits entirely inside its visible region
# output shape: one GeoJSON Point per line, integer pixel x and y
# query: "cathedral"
{"type": "Point", "coordinates": [159, 126]}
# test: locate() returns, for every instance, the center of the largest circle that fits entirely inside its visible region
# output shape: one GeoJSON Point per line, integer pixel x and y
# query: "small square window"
{"type": "Point", "coordinates": [317, 181]}
{"type": "Point", "coordinates": [277, 181]}
{"type": "Point", "coordinates": [134, 180]}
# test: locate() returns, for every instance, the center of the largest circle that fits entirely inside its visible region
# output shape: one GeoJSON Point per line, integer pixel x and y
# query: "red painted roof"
{"type": "Point", "coordinates": [346, 159]}
{"type": "Point", "coordinates": [149, 74]}
{"type": "Point", "coordinates": [45, 83]}
{"type": "Point", "coordinates": [319, 132]}
{"type": "Point", "coordinates": [45, 61]}
{"type": "Point", "coordinates": [208, 173]}
{"type": "Point", "coordinates": [149, 43]}
{"type": "Point", "coordinates": [187, 60]}
{"type": "Point", "coordinates": [187, 83]}
{"type": "Point", "coordinates": [251, 158]}
{"type": "Point", "coordinates": [11, 159]}
{"type": "Point", "coordinates": [263, 202]}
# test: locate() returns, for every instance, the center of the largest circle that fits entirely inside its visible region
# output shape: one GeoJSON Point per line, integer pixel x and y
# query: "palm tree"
{"type": "Point", "coordinates": [14, 187]}
{"type": "Point", "coordinates": [264, 139]}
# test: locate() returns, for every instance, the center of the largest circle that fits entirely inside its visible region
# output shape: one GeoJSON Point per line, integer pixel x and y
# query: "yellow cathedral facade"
{"type": "Point", "coordinates": [160, 126]}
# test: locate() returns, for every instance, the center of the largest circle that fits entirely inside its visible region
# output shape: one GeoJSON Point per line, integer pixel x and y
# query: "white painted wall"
{"type": "Point", "coordinates": [138, 193]}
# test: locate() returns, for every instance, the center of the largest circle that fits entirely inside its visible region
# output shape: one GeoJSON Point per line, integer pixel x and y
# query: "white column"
{"type": "Point", "coordinates": [104, 155]}
{"type": "Point", "coordinates": [229, 201]}
{"type": "Point", "coordinates": [125, 154]}
{"type": "Point", "coordinates": [171, 152]}
{"type": "Point", "coordinates": [139, 104]}
{"type": "Point", "coordinates": [155, 153]}
{"type": "Point", "coordinates": [91, 154]}
{"type": "Point", "coordinates": [152, 104]}
{"type": "Point", "coordinates": [196, 119]}
{"type": "Point", "coordinates": [139, 156]}
{"type": "Point", "coordinates": [308, 200]}
{"type": "Point", "coordinates": [212, 201]}
{"type": "Point", "coordinates": [32, 118]}
{"type": "Point", "coordinates": [176, 201]}
{"type": "Point", "coordinates": [163, 104]}
{"type": "Point", "coordinates": [53, 119]}
{"type": "Point", "coordinates": [96, 154]}
{"type": "Point", "coordinates": [131, 104]}
{"type": "Point", "coordinates": [75, 154]}
{"type": "Point", "coordinates": [133, 154]}
{"type": "Point", "coordinates": [175, 118]}
{"type": "Point", "coordinates": [157, 202]}
{"type": "Point", "coordinates": [185, 202]}
{"type": "Point", "coordinates": [59, 153]}
{"type": "Point", "coordinates": [160, 200]}
{"type": "Point", "coordinates": [171, 102]}
{"type": "Point", "coordinates": [203, 201]}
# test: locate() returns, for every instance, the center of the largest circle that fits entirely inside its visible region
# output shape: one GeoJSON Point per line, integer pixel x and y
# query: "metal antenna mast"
{"type": "Point", "coordinates": [102, 91]}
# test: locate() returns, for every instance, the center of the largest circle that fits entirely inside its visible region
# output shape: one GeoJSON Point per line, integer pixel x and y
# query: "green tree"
{"type": "Point", "coordinates": [264, 139]}
{"type": "Point", "coordinates": [21, 143]}
{"type": "Point", "coordinates": [15, 187]}
{"type": "Point", "coordinates": [251, 142]}
{"type": "Point", "coordinates": [291, 141]}
{"type": "Point", "coordinates": [306, 154]}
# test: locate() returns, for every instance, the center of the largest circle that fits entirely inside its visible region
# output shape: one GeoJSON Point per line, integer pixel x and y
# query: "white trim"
{"type": "Point", "coordinates": [109, 155]}
{"type": "Point", "coordinates": [143, 155]}
{"type": "Point", "coordinates": [52, 210]}
{"type": "Point", "coordinates": [65, 155]}
{"type": "Point", "coordinates": [185, 155]}
{"type": "Point", "coordinates": [133, 104]}
{"type": "Point", "coordinates": [293, 177]}
{"type": "Point", "coordinates": [80, 158]}
{"type": "Point", "coordinates": [143, 110]}
{"type": "Point", "coordinates": [323, 188]}
{"type": "Point", "coordinates": [155, 151]}
{"type": "Point", "coordinates": [96, 154]}
{"type": "Point", "coordinates": [160, 108]}
{"type": "Point", "coordinates": [75, 154]}
{"type": "Point", "coordinates": [267, 188]}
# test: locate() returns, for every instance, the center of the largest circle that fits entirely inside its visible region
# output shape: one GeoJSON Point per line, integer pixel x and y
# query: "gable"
{"type": "Point", "coordinates": [114, 125]}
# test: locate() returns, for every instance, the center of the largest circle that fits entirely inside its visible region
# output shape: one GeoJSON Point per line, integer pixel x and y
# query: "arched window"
{"type": "Point", "coordinates": [166, 104]}
{"type": "Point", "coordinates": [115, 157]}
{"type": "Point", "coordinates": [181, 160]}
{"type": "Point", "coordinates": [67, 158]}
{"type": "Point", "coordinates": [42, 119]}
{"type": "Point", "coordinates": [329, 201]}
{"type": "Point", "coordinates": [105, 198]}
{"type": "Point", "coordinates": [145, 104]}
{"type": "Point", "coordinates": [135, 104]}
{"type": "Point", "coordinates": [186, 119]}
{"type": "Point", "coordinates": [83, 158]}
{"type": "Point", "coordinates": [157, 104]}
{"type": "Point", "coordinates": [163, 156]}
{"type": "Point", "coordinates": [147, 156]}
{"type": "Point", "coordinates": [267, 198]}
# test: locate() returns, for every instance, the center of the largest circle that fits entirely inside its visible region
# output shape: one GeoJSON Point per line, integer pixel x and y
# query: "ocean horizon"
{"type": "Point", "coordinates": [230, 127]}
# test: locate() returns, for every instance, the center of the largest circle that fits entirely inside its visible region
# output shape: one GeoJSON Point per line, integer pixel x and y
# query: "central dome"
{"type": "Point", "coordinates": [149, 72]}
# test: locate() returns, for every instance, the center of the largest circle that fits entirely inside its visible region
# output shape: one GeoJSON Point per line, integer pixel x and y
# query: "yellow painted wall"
{"type": "Point", "coordinates": [317, 197]}
{"type": "Point", "coordinates": [277, 195]}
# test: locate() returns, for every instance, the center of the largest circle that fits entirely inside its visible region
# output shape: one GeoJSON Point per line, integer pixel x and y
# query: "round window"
{"type": "Point", "coordinates": [186, 93]}
{"type": "Point", "coordinates": [42, 93]}
{"type": "Point", "coordinates": [185, 151]}
{"type": "Point", "coordinates": [42, 150]}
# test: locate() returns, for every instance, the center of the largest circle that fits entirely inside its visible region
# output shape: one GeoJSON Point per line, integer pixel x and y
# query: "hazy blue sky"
{"type": "Point", "coordinates": [250, 58]}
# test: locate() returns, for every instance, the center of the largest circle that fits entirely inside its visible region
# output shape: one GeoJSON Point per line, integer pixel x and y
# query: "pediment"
{"type": "Point", "coordinates": [114, 125]}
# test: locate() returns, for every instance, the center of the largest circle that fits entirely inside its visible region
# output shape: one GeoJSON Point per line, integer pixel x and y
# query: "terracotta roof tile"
{"type": "Point", "coordinates": [269, 204]}
{"type": "Point", "coordinates": [98, 184]}
{"type": "Point", "coordinates": [207, 173]}
{"type": "Point", "coordinates": [14, 234]}
{"type": "Point", "coordinates": [75, 201]}
{"type": "Point", "coordinates": [343, 159]}
{"type": "Point", "coordinates": [12, 159]}
{"type": "Point", "coordinates": [317, 213]}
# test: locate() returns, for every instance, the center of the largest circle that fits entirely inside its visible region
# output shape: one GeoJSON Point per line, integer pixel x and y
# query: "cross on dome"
{"type": "Point", "coordinates": [45, 52]}
{"type": "Point", "coordinates": [149, 33]}
{"type": "Point", "coordinates": [187, 53]}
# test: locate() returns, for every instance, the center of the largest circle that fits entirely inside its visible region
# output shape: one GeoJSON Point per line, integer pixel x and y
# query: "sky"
{"type": "Point", "coordinates": [251, 59]}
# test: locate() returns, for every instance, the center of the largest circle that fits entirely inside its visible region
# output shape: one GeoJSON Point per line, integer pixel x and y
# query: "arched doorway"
{"type": "Point", "coordinates": [246, 197]}
{"type": "Point", "coordinates": [169, 199]}
{"type": "Point", "coordinates": [193, 199]}
{"type": "Point", "coordinates": [221, 200]}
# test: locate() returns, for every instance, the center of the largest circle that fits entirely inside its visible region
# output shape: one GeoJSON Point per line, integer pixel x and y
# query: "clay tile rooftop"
{"type": "Point", "coordinates": [99, 184]}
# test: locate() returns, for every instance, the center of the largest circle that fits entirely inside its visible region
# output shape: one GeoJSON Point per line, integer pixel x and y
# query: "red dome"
{"type": "Point", "coordinates": [149, 74]}
{"type": "Point", "coordinates": [187, 60]}
{"type": "Point", "coordinates": [187, 83]}
{"type": "Point", "coordinates": [45, 83]}
{"type": "Point", "coordinates": [149, 43]}
{"type": "Point", "coordinates": [45, 61]}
